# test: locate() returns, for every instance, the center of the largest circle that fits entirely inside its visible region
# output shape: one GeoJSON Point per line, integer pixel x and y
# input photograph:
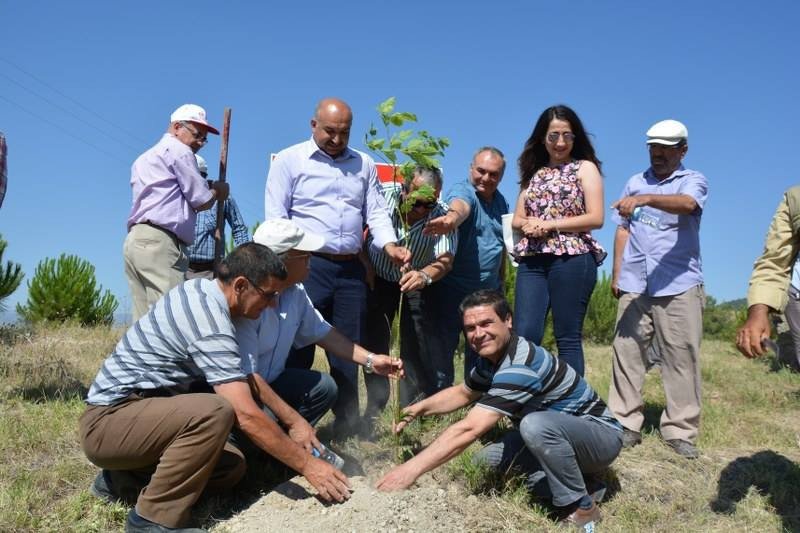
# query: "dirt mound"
{"type": "Point", "coordinates": [292, 506]}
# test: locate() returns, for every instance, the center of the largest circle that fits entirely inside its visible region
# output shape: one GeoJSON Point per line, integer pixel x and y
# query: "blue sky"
{"type": "Point", "coordinates": [85, 87]}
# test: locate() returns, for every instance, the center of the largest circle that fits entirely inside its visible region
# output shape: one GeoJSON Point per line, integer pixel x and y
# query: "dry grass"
{"type": "Point", "coordinates": [746, 480]}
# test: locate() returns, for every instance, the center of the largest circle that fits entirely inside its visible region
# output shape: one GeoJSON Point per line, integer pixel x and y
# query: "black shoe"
{"type": "Point", "coordinates": [630, 438]}
{"type": "Point", "coordinates": [683, 448]}
{"type": "Point", "coordinates": [137, 524]}
{"type": "Point", "coordinates": [101, 488]}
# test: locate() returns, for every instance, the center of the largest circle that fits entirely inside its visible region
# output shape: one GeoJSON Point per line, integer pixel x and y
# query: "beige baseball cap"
{"type": "Point", "coordinates": [281, 235]}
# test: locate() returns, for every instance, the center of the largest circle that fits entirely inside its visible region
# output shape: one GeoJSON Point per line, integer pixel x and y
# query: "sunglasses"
{"type": "Point", "coordinates": [419, 204]}
{"type": "Point", "coordinates": [568, 137]}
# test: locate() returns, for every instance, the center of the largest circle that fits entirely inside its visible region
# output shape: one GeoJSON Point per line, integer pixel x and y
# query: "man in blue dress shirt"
{"type": "Point", "coordinates": [332, 190]}
{"type": "Point", "coordinates": [658, 278]}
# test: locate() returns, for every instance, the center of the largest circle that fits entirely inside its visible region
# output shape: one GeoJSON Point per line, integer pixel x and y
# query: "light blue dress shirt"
{"type": "Point", "coordinates": [264, 343]}
{"type": "Point", "coordinates": [334, 198]}
{"type": "Point", "coordinates": [663, 258]}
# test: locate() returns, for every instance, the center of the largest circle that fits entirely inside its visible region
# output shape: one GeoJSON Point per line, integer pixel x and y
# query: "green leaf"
{"type": "Point", "coordinates": [376, 144]}
{"type": "Point", "coordinates": [387, 106]}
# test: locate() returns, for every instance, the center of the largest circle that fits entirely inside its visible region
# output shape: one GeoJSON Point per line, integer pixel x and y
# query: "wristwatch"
{"type": "Point", "coordinates": [428, 279]}
{"type": "Point", "coordinates": [368, 365]}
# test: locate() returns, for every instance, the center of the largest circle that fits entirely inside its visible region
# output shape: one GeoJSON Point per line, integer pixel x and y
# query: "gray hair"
{"type": "Point", "coordinates": [429, 176]}
{"type": "Point", "coordinates": [495, 151]}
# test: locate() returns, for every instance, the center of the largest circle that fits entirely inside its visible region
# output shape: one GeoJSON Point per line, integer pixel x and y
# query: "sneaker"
{"type": "Point", "coordinates": [101, 488]}
{"type": "Point", "coordinates": [630, 438]}
{"type": "Point", "coordinates": [584, 518]}
{"type": "Point", "coordinates": [137, 524]}
{"type": "Point", "coordinates": [683, 448]}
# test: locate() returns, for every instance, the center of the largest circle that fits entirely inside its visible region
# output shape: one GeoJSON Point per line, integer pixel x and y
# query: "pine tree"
{"type": "Point", "coordinates": [66, 289]}
{"type": "Point", "coordinates": [10, 276]}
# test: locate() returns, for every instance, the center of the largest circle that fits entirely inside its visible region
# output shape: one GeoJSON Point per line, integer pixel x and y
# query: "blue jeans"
{"type": "Point", "coordinates": [338, 291]}
{"type": "Point", "coordinates": [308, 392]}
{"type": "Point", "coordinates": [555, 447]}
{"type": "Point", "coordinates": [563, 283]}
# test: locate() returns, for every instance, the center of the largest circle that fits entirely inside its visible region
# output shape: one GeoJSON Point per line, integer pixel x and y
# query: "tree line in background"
{"type": "Point", "coordinates": [65, 289]}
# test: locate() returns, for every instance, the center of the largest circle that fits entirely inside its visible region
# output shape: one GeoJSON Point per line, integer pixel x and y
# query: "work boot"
{"type": "Point", "coordinates": [137, 524]}
{"type": "Point", "coordinates": [683, 448]}
{"type": "Point", "coordinates": [630, 438]}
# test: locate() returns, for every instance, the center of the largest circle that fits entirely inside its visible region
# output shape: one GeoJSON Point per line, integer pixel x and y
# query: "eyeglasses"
{"type": "Point", "coordinates": [201, 138]}
{"type": "Point", "coordinates": [553, 136]}
{"type": "Point", "coordinates": [419, 204]}
{"type": "Point", "coordinates": [267, 296]}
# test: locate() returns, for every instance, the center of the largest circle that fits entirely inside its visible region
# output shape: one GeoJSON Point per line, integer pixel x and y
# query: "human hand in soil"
{"type": "Point", "coordinates": [303, 434]}
{"type": "Point", "coordinates": [383, 365]}
{"type": "Point", "coordinates": [398, 478]}
{"type": "Point", "coordinates": [409, 415]}
{"type": "Point", "coordinates": [330, 483]}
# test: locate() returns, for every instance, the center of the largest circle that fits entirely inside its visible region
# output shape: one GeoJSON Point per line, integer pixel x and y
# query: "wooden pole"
{"type": "Point", "coordinates": [219, 241]}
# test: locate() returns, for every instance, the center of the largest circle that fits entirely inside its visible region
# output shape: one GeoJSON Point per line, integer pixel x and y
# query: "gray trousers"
{"type": "Point", "coordinates": [556, 448]}
{"type": "Point", "coordinates": [789, 341]}
{"type": "Point", "coordinates": [675, 325]}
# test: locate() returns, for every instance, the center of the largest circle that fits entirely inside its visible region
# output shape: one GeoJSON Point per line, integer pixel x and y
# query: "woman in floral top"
{"type": "Point", "coordinates": [560, 202]}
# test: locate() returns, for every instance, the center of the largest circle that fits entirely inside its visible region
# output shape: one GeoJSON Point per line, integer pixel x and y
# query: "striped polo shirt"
{"type": "Point", "coordinates": [528, 379]}
{"type": "Point", "coordinates": [424, 248]}
{"type": "Point", "coordinates": [185, 337]}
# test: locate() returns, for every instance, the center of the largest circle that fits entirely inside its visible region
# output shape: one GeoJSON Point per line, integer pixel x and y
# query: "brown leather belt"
{"type": "Point", "coordinates": [336, 257]}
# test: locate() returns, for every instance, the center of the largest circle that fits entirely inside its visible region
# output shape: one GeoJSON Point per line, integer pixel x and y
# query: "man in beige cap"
{"type": "Point", "coordinates": [297, 397]}
{"type": "Point", "coordinates": [168, 190]}
{"type": "Point", "coordinates": [658, 279]}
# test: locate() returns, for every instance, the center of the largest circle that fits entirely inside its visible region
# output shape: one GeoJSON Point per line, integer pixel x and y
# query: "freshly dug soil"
{"type": "Point", "coordinates": [425, 508]}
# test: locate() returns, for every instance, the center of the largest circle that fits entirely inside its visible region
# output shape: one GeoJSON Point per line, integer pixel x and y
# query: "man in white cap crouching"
{"type": "Point", "coordinates": [658, 279]}
{"type": "Point", "coordinates": [297, 397]}
{"type": "Point", "coordinates": [168, 190]}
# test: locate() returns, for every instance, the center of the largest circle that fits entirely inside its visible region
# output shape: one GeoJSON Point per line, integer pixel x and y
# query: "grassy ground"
{"type": "Point", "coordinates": [746, 480]}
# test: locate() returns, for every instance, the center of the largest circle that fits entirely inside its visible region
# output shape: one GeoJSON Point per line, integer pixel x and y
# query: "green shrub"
{"type": "Point", "coordinates": [601, 315]}
{"type": "Point", "coordinates": [10, 276]}
{"type": "Point", "coordinates": [66, 289]}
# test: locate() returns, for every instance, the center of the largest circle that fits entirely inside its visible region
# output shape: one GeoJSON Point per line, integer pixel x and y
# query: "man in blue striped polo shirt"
{"type": "Point", "coordinates": [152, 435]}
{"type": "Point", "coordinates": [564, 429]}
{"type": "Point", "coordinates": [431, 260]}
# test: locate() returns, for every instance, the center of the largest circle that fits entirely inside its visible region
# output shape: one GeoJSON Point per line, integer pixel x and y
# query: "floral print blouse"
{"type": "Point", "coordinates": [555, 193]}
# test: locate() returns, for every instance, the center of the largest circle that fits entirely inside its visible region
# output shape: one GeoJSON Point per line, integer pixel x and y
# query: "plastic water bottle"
{"type": "Point", "coordinates": [328, 456]}
{"type": "Point", "coordinates": [639, 215]}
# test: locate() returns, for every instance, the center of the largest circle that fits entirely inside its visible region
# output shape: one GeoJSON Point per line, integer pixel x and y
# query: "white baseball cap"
{"type": "Point", "coordinates": [668, 132]}
{"type": "Point", "coordinates": [281, 235]}
{"type": "Point", "coordinates": [192, 113]}
{"type": "Point", "coordinates": [201, 164]}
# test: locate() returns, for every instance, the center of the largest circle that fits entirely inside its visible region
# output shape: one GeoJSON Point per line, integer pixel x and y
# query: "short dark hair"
{"type": "Point", "coordinates": [486, 297]}
{"type": "Point", "coordinates": [534, 155]}
{"type": "Point", "coordinates": [254, 261]}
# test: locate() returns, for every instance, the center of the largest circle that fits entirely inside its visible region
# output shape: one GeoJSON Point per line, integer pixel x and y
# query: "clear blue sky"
{"type": "Point", "coordinates": [480, 73]}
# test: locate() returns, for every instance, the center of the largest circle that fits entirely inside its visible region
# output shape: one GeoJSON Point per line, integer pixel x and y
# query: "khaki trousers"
{"type": "Point", "coordinates": [175, 447]}
{"type": "Point", "coordinates": [155, 262]}
{"type": "Point", "coordinates": [676, 324]}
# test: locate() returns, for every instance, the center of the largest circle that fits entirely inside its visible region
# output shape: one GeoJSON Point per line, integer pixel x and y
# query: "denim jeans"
{"type": "Point", "coordinates": [338, 291]}
{"type": "Point", "coordinates": [563, 283]}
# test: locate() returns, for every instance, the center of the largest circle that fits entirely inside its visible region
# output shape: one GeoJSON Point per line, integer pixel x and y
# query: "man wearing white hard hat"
{"type": "Point", "coordinates": [168, 190]}
{"type": "Point", "coordinates": [202, 250]}
{"type": "Point", "coordinates": [297, 397]}
{"type": "Point", "coordinates": [658, 278]}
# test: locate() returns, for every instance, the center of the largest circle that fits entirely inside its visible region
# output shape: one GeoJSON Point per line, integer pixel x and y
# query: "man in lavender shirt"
{"type": "Point", "coordinates": [332, 190]}
{"type": "Point", "coordinates": [168, 190]}
{"type": "Point", "coordinates": [658, 279]}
